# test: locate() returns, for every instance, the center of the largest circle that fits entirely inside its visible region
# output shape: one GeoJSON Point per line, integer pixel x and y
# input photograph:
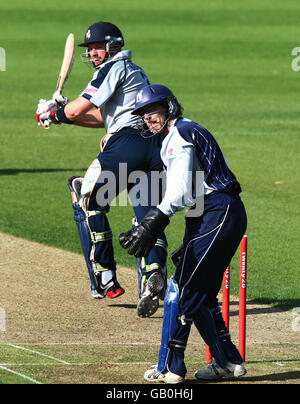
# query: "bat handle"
{"type": "Point", "coordinates": [46, 124]}
{"type": "Point", "coordinates": [55, 95]}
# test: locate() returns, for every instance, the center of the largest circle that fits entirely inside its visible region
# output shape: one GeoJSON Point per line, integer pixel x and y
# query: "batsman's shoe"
{"type": "Point", "coordinates": [115, 290]}
{"type": "Point", "coordinates": [111, 289]}
{"type": "Point", "coordinates": [149, 301]}
{"type": "Point", "coordinates": [153, 375]}
{"type": "Point", "coordinates": [95, 294]}
{"type": "Point", "coordinates": [215, 372]}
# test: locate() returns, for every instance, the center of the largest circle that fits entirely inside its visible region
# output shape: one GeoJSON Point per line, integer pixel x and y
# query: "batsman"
{"type": "Point", "coordinates": [107, 102]}
{"type": "Point", "coordinates": [198, 177]}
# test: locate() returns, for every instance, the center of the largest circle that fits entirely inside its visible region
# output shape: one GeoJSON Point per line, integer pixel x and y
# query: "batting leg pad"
{"type": "Point", "coordinates": [84, 235]}
{"type": "Point", "coordinates": [103, 280]}
{"type": "Point", "coordinates": [144, 273]}
{"type": "Point", "coordinates": [169, 323]}
{"type": "Point", "coordinates": [155, 262]}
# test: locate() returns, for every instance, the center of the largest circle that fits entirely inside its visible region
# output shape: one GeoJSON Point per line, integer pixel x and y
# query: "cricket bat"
{"type": "Point", "coordinates": [65, 70]}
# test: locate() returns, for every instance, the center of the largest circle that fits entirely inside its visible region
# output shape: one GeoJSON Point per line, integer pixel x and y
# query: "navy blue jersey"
{"type": "Point", "coordinates": [187, 150]}
{"type": "Point", "coordinates": [217, 174]}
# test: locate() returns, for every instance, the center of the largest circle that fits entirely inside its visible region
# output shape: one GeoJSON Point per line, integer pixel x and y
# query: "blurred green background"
{"type": "Point", "coordinates": [229, 64]}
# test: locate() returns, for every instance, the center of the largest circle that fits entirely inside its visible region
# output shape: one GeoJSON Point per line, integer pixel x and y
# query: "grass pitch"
{"type": "Point", "coordinates": [55, 333]}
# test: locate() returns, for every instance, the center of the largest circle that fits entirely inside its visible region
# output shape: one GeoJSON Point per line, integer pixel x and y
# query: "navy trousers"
{"type": "Point", "coordinates": [130, 151]}
{"type": "Point", "coordinates": [210, 242]}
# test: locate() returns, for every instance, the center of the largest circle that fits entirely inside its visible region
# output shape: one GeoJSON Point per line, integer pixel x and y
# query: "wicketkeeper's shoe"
{"type": "Point", "coordinates": [215, 372]}
{"type": "Point", "coordinates": [153, 375]}
{"type": "Point", "coordinates": [149, 301]}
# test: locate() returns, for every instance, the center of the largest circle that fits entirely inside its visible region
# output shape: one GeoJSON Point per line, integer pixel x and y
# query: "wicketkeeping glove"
{"type": "Point", "coordinates": [176, 255]}
{"type": "Point", "coordinates": [140, 240]}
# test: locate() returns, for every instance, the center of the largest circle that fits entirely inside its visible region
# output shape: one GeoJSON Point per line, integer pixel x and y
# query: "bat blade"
{"type": "Point", "coordinates": [65, 69]}
{"type": "Point", "coordinates": [66, 65]}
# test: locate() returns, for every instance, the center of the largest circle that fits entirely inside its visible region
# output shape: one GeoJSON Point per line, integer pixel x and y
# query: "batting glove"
{"type": "Point", "coordinates": [45, 113]}
{"type": "Point", "coordinates": [60, 99]}
{"type": "Point", "coordinates": [140, 240]}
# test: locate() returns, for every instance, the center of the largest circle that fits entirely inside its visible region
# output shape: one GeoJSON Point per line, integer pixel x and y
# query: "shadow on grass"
{"type": "Point", "coordinates": [280, 306]}
{"type": "Point", "coordinates": [123, 305]}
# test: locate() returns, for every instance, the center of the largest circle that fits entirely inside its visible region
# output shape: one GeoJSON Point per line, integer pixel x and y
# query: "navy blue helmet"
{"type": "Point", "coordinates": [155, 93]}
{"type": "Point", "coordinates": [103, 32]}
{"type": "Point", "coordinates": [152, 94]}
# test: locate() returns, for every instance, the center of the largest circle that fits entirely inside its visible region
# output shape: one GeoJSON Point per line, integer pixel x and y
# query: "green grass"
{"type": "Point", "coordinates": [116, 365]}
{"type": "Point", "coordinates": [229, 63]}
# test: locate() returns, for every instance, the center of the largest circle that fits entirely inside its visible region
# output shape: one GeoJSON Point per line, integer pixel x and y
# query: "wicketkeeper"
{"type": "Point", "coordinates": [198, 177]}
{"type": "Point", "coordinates": [112, 90]}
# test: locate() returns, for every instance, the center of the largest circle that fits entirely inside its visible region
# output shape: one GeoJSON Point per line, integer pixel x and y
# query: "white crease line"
{"type": "Point", "coordinates": [273, 343]}
{"type": "Point", "coordinates": [45, 364]}
{"type": "Point", "coordinates": [130, 363]}
{"type": "Point", "coordinates": [145, 343]}
{"type": "Point", "coordinates": [75, 364]}
{"type": "Point", "coordinates": [84, 343]}
{"type": "Point", "coordinates": [98, 343]}
{"type": "Point", "coordinates": [20, 374]}
{"type": "Point", "coordinates": [39, 353]}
